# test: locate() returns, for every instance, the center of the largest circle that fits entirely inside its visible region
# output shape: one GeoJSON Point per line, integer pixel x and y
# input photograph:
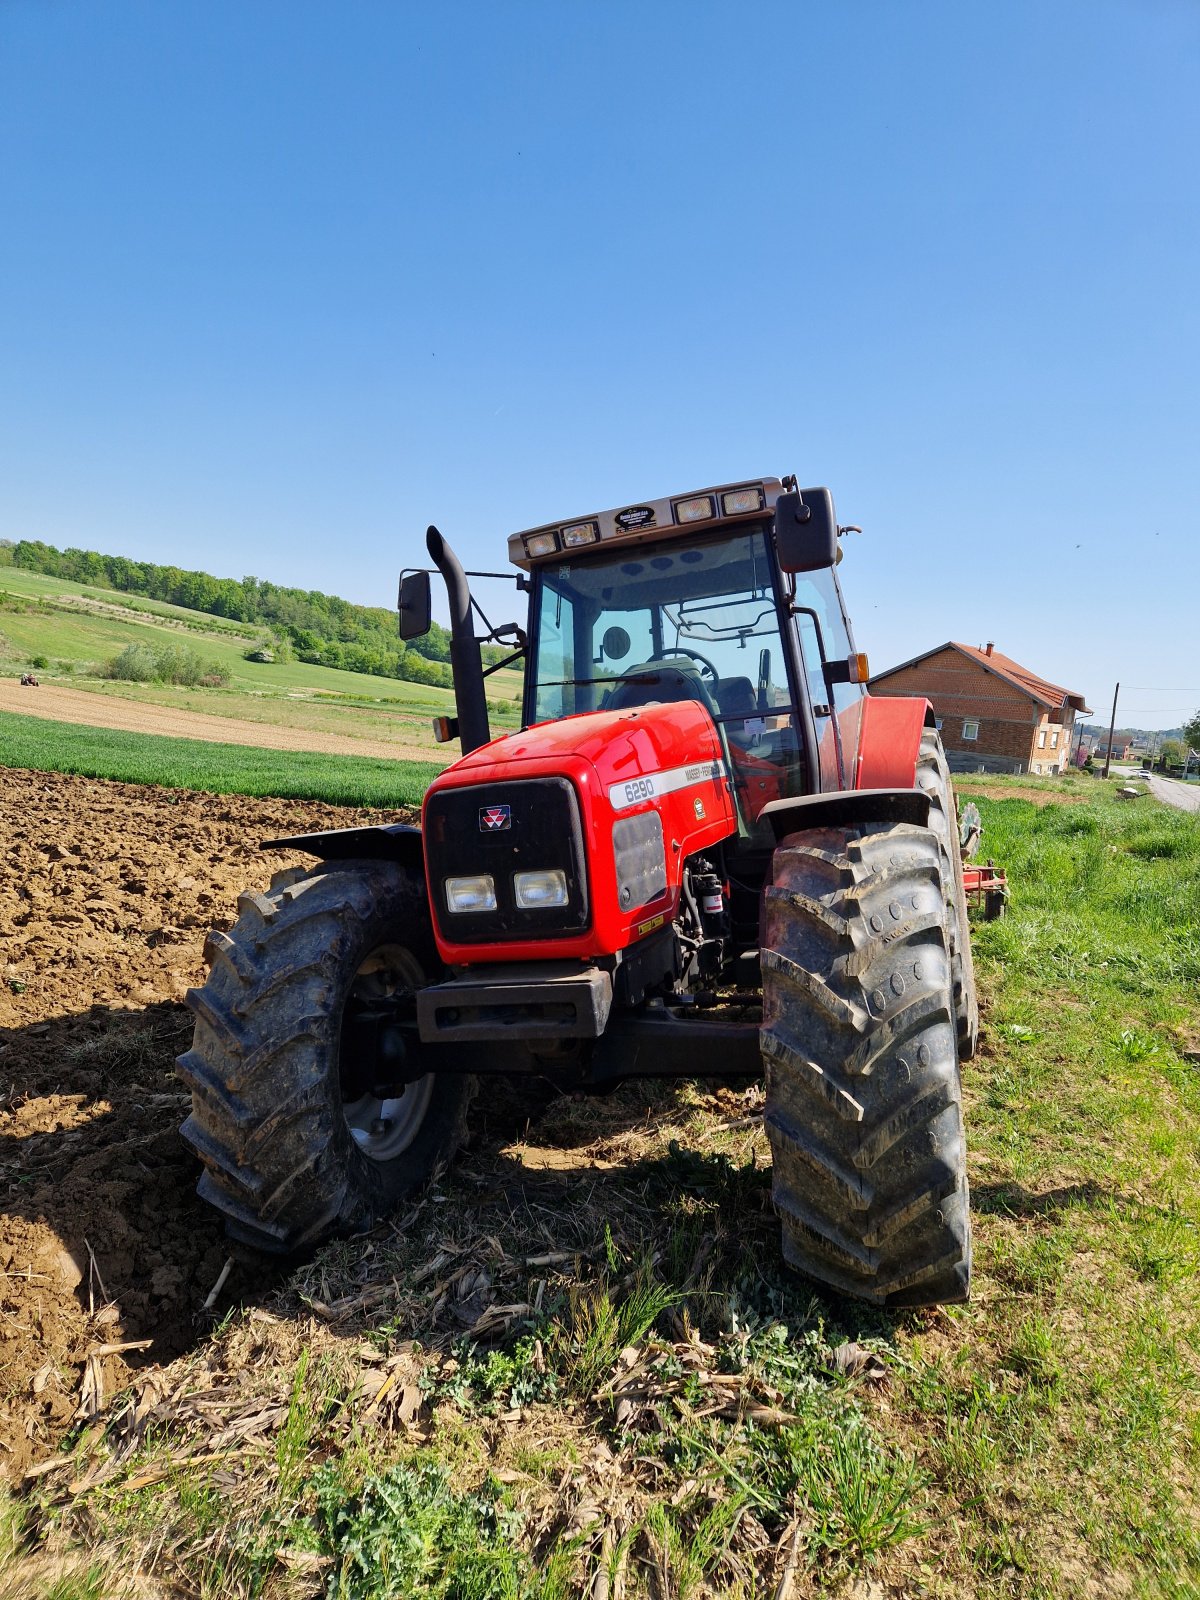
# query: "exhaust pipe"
{"type": "Point", "coordinates": [466, 659]}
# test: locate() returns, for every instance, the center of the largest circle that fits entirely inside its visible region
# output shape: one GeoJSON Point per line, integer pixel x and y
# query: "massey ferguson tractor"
{"type": "Point", "coordinates": [707, 852]}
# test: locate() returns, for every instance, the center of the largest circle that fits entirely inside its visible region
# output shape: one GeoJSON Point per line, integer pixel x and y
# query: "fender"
{"type": "Point", "coordinates": [848, 808]}
{"type": "Point", "coordinates": [881, 737]}
{"type": "Point", "coordinates": [399, 842]}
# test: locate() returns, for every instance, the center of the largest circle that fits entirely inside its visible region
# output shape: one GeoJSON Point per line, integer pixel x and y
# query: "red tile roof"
{"type": "Point", "coordinates": [1052, 694]}
{"type": "Point", "coordinates": [1037, 688]}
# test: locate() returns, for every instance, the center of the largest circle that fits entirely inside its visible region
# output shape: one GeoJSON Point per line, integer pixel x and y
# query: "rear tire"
{"type": "Point", "coordinates": [933, 776]}
{"type": "Point", "coordinates": [864, 1101]}
{"type": "Point", "coordinates": [295, 1145]}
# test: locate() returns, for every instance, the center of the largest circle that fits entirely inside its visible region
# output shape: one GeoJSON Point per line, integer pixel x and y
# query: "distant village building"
{"type": "Point", "coordinates": [1122, 750]}
{"type": "Point", "coordinates": [994, 714]}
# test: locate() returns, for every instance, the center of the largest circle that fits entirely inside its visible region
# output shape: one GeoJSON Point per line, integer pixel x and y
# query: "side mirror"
{"type": "Point", "coordinates": [806, 531]}
{"type": "Point", "coordinates": [415, 604]}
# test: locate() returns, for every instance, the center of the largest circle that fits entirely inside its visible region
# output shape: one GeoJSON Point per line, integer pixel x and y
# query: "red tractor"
{"type": "Point", "coordinates": [708, 851]}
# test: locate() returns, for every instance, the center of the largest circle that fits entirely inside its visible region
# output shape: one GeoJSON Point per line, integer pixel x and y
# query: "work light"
{"type": "Point", "coordinates": [697, 509]}
{"type": "Point", "coordinates": [541, 544]}
{"type": "Point", "coordinates": [739, 500]}
{"type": "Point", "coordinates": [577, 533]}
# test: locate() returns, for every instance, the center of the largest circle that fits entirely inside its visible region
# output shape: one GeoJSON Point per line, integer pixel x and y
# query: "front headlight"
{"type": "Point", "coordinates": [533, 890]}
{"type": "Point", "coordinates": [477, 893]}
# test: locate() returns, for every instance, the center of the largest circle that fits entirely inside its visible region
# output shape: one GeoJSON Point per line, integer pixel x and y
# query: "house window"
{"type": "Point", "coordinates": [1042, 740]}
{"type": "Point", "coordinates": [971, 728]}
{"type": "Point", "coordinates": [1054, 740]}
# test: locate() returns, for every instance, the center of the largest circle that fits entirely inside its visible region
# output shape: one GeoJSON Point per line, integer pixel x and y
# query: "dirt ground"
{"type": "Point", "coordinates": [136, 716]}
{"type": "Point", "coordinates": [968, 783]}
{"type": "Point", "coordinates": [106, 893]}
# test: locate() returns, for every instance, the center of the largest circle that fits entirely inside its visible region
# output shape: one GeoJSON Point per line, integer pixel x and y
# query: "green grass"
{"type": "Point", "coordinates": [661, 1411]}
{"type": "Point", "coordinates": [47, 746]}
{"type": "Point", "coordinates": [86, 639]}
{"type": "Point", "coordinates": [36, 619]}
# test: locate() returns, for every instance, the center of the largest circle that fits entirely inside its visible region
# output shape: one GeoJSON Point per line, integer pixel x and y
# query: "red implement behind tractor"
{"type": "Point", "coordinates": [706, 852]}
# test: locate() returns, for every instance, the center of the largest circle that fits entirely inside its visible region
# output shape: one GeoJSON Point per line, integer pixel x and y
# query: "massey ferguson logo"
{"type": "Point", "coordinates": [494, 819]}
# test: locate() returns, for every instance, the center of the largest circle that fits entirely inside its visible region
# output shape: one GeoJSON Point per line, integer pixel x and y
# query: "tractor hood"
{"type": "Point", "coordinates": [629, 742]}
{"type": "Point", "coordinates": [533, 793]}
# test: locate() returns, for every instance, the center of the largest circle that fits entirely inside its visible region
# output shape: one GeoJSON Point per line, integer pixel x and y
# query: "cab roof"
{"type": "Point", "coordinates": [672, 517]}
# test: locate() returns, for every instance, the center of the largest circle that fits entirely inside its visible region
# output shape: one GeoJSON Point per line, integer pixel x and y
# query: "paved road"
{"type": "Point", "coordinates": [1186, 796]}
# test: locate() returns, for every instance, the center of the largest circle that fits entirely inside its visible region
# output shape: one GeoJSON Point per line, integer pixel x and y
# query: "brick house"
{"type": "Point", "coordinates": [1122, 750]}
{"type": "Point", "coordinates": [994, 714]}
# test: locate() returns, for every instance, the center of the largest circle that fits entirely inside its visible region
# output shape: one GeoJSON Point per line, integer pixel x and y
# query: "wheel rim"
{"type": "Point", "coordinates": [384, 1127]}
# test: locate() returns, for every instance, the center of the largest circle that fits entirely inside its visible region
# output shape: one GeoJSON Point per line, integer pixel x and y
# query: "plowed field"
{"type": "Point", "coordinates": [106, 893]}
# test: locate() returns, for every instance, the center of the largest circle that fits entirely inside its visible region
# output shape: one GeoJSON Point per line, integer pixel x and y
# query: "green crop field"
{"type": "Point", "coordinates": [46, 746]}
{"type": "Point", "coordinates": [576, 1364]}
{"type": "Point", "coordinates": [76, 629]}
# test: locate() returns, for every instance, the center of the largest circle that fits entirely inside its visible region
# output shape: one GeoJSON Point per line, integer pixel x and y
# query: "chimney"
{"type": "Point", "coordinates": [990, 648]}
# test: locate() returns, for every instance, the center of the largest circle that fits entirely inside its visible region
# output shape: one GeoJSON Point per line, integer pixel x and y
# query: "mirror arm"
{"type": "Point", "coordinates": [507, 662]}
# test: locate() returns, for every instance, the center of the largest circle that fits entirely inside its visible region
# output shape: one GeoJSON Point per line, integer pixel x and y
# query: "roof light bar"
{"type": "Point", "coordinates": [670, 517]}
{"type": "Point", "coordinates": [698, 509]}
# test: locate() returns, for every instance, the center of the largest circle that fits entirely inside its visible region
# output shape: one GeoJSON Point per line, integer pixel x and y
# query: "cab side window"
{"type": "Point", "coordinates": [556, 655]}
{"type": "Point", "coordinates": [818, 592]}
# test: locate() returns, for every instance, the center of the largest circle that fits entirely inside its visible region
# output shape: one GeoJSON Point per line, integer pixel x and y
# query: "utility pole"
{"type": "Point", "coordinates": [1111, 730]}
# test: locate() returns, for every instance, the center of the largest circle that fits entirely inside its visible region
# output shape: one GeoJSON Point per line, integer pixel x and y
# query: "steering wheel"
{"type": "Point", "coordinates": [709, 676]}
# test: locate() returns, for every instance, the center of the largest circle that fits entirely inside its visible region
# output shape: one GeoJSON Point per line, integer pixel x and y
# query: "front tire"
{"type": "Point", "coordinates": [298, 1141]}
{"type": "Point", "coordinates": [859, 1040]}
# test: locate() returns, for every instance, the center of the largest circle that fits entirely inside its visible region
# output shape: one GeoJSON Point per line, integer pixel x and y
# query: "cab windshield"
{"type": "Point", "coordinates": [673, 621]}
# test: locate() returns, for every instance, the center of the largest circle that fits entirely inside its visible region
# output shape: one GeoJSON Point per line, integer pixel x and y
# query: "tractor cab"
{"type": "Point", "coordinates": [618, 629]}
{"type": "Point", "coordinates": [689, 600]}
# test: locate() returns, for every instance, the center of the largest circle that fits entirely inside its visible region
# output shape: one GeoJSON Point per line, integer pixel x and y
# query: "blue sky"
{"type": "Point", "coordinates": [283, 281]}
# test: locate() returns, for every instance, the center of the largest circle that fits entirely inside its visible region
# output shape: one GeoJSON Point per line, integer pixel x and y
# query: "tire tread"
{"type": "Point", "coordinates": [872, 1203]}
{"type": "Point", "coordinates": [279, 1161]}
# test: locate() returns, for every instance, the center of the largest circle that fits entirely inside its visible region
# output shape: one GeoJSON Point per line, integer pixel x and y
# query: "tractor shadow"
{"type": "Point", "coordinates": [102, 1236]}
{"type": "Point", "coordinates": [1014, 1200]}
{"type": "Point", "coordinates": [97, 1191]}
{"type": "Point", "coordinates": [103, 1239]}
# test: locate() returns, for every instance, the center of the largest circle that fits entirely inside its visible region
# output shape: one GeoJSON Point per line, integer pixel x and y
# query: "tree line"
{"type": "Point", "coordinates": [319, 628]}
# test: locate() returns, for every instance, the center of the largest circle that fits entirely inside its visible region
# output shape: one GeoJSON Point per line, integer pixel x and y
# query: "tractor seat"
{"type": "Point", "coordinates": [673, 681]}
{"type": "Point", "coordinates": [744, 727]}
{"type": "Point", "coordinates": [736, 698]}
